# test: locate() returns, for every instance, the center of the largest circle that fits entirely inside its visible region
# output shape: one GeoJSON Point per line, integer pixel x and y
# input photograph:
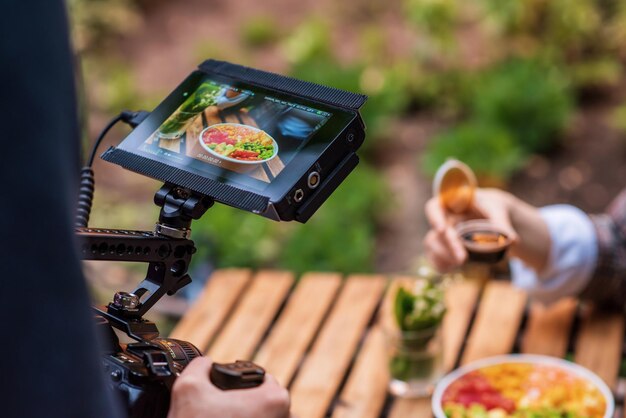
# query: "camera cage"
{"type": "Point", "coordinates": [167, 250]}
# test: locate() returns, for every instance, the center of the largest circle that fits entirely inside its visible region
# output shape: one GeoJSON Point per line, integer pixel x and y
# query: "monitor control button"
{"type": "Point", "coordinates": [313, 180]}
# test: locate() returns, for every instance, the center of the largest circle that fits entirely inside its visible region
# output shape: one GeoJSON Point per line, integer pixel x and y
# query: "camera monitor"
{"type": "Point", "coordinates": [254, 140]}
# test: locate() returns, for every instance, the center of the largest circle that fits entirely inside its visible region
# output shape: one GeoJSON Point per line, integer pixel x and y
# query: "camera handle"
{"type": "Point", "coordinates": [167, 251]}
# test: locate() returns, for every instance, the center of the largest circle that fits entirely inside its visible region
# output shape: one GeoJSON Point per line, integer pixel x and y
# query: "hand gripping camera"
{"type": "Point", "coordinates": [258, 141]}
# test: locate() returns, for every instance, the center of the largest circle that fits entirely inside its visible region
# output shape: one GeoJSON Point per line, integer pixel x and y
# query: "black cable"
{"type": "Point", "coordinates": [131, 118]}
{"type": "Point", "coordinates": [87, 180]}
{"type": "Point", "coordinates": [106, 129]}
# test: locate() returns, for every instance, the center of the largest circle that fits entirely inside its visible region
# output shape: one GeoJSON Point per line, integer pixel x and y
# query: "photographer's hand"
{"type": "Point", "coordinates": [194, 396]}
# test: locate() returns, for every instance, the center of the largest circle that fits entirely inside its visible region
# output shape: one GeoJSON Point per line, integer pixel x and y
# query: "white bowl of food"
{"type": "Point", "coordinates": [238, 147]}
{"type": "Point", "coordinates": [522, 385]}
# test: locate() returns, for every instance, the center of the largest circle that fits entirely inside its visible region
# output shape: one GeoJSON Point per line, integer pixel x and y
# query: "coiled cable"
{"type": "Point", "coordinates": [85, 197]}
{"type": "Point", "coordinates": [87, 179]}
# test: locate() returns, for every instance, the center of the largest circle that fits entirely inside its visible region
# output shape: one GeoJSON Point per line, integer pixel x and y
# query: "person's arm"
{"type": "Point", "coordinates": [554, 251]}
{"type": "Point", "coordinates": [571, 257]}
{"type": "Point", "coordinates": [534, 240]}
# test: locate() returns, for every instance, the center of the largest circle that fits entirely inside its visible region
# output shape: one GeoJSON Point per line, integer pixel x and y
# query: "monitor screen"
{"type": "Point", "coordinates": [235, 129]}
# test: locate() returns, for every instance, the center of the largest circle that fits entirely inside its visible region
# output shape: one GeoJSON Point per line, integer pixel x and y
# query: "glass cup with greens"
{"type": "Point", "coordinates": [415, 346]}
{"type": "Point", "coordinates": [175, 126]}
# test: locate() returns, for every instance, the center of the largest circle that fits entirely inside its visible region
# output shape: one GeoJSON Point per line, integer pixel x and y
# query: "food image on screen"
{"type": "Point", "coordinates": [239, 148]}
{"type": "Point", "coordinates": [235, 131]}
{"type": "Point", "coordinates": [523, 390]}
{"type": "Point", "coordinates": [239, 142]}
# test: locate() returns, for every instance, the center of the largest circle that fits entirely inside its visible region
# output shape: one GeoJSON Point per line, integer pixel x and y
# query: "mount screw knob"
{"type": "Point", "coordinates": [125, 300]}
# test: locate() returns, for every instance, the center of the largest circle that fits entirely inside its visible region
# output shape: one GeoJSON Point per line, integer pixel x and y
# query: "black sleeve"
{"type": "Point", "coordinates": [49, 352]}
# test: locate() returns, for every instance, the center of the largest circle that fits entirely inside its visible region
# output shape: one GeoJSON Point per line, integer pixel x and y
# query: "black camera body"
{"type": "Point", "coordinates": [143, 373]}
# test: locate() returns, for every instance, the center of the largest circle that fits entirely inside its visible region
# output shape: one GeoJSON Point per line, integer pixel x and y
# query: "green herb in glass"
{"type": "Point", "coordinates": [418, 312]}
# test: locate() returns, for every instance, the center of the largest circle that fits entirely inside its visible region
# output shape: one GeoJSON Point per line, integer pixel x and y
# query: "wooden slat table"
{"type": "Point", "coordinates": [322, 336]}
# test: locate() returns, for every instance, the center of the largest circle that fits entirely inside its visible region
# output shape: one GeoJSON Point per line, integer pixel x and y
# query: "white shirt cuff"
{"type": "Point", "coordinates": [572, 259]}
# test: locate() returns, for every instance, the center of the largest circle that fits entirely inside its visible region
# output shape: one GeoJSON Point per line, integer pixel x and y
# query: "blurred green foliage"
{"type": "Point", "coordinates": [489, 149]}
{"type": "Point", "coordinates": [310, 40]}
{"type": "Point", "coordinates": [340, 237]}
{"type": "Point", "coordinates": [530, 99]}
{"type": "Point", "coordinates": [586, 35]}
{"type": "Point", "coordinates": [260, 31]}
{"type": "Point", "coordinates": [596, 73]}
{"type": "Point", "coordinates": [97, 23]}
{"type": "Point", "coordinates": [119, 91]}
{"type": "Point", "coordinates": [618, 119]}
{"type": "Point", "coordinates": [231, 237]}
{"type": "Point", "coordinates": [447, 92]}
{"type": "Point", "coordinates": [436, 19]}
{"type": "Point", "coordinates": [515, 109]}
{"type": "Point", "coordinates": [387, 86]}
{"type": "Point", "coordinates": [562, 23]}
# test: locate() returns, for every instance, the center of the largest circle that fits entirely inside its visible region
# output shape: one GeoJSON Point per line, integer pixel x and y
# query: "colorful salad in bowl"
{"type": "Point", "coordinates": [522, 386]}
{"type": "Point", "coordinates": [236, 143]}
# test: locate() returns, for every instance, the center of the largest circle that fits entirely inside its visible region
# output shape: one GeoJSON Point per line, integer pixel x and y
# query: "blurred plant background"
{"type": "Point", "coordinates": [531, 94]}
